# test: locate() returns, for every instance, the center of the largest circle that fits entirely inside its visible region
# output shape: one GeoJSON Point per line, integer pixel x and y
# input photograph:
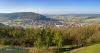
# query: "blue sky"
{"type": "Point", "coordinates": [51, 6]}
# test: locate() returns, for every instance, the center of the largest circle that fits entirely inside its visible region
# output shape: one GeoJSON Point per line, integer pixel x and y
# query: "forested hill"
{"type": "Point", "coordinates": [1, 24]}
{"type": "Point", "coordinates": [22, 15]}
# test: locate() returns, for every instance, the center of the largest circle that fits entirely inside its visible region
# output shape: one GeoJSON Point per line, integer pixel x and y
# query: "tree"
{"type": "Point", "coordinates": [58, 40]}
{"type": "Point", "coordinates": [38, 43]}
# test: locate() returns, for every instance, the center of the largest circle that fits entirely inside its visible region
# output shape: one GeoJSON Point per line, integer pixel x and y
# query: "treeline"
{"type": "Point", "coordinates": [46, 37]}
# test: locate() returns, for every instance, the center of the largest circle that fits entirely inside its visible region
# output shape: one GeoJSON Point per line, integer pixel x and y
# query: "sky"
{"type": "Point", "coordinates": [51, 6]}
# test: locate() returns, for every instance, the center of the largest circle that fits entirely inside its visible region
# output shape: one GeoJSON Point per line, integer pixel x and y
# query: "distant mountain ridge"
{"type": "Point", "coordinates": [73, 15]}
{"type": "Point", "coordinates": [21, 15]}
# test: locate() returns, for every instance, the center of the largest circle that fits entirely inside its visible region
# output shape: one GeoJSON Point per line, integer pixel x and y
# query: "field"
{"type": "Point", "coordinates": [89, 49]}
{"type": "Point", "coordinates": [96, 20]}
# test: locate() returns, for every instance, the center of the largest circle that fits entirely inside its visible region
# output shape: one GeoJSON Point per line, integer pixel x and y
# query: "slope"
{"type": "Point", "coordinates": [90, 49]}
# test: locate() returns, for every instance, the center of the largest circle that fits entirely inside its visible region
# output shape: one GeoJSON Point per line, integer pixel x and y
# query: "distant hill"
{"type": "Point", "coordinates": [74, 15]}
{"type": "Point", "coordinates": [23, 15]}
{"type": "Point", "coordinates": [1, 24]}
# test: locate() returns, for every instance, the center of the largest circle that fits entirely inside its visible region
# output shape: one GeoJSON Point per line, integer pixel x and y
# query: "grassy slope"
{"type": "Point", "coordinates": [93, 20]}
{"type": "Point", "coordinates": [90, 49]}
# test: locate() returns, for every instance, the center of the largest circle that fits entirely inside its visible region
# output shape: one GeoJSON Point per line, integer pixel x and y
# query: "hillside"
{"type": "Point", "coordinates": [90, 49]}
{"type": "Point", "coordinates": [1, 24]}
{"type": "Point", "coordinates": [23, 15]}
{"type": "Point", "coordinates": [78, 18]}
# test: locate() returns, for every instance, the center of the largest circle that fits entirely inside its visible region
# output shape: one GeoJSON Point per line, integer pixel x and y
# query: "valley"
{"type": "Point", "coordinates": [31, 19]}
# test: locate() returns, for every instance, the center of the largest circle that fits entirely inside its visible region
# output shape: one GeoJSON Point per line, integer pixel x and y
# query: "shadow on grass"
{"type": "Point", "coordinates": [60, 50]}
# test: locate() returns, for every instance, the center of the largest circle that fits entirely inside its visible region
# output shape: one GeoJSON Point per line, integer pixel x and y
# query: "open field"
{"type": "Point", "coordinates": [89, 49]}
{"type": "Point", "coordinates": [97, 20]}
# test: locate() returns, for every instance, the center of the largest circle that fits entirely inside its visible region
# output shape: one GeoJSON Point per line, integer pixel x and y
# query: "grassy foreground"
{"type": "Point", "coordinates": [89, 49]}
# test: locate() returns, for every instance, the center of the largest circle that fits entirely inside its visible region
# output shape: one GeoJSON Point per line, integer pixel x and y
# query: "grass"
{"type": "Point", "coordinates": [93, 20]}
{"type": "Point", "coordinates": [95, 48]}
{"type": "Point", "coordinates": [89, 49]}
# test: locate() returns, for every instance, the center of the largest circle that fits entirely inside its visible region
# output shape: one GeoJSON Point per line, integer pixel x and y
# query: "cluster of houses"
{"type": "Point", "coordinates": [45, 24]}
